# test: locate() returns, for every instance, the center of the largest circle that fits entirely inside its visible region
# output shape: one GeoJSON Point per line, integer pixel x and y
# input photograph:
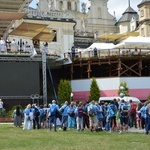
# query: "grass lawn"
{"type": "Point", "coordinates": [12, 138]}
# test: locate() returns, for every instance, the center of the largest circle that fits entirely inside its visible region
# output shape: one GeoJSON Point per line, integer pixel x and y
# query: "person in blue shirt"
{"type": "Point", "coordinates": [71, 116]}
{"type": "Point", "coordinates": [143, 115]}
{"type": "Point", "coordinates": [112, 112]}
{"type": "Point", "coordinates": [124, 116]}
{"type": "Point", "coordinates": [100, 116]}
{"type": "Point", "coordinates": [147, 120]}
{"type": "Point", "coordinates": [93, 116]}
{"type": "Point", "coordinates": [53, 115]}
{"type": "Point", "coordinates": [63, 110]}
{"type": "Point", "coordinates": [28, 118]}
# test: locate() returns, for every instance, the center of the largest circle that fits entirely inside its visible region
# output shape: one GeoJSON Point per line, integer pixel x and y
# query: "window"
{"type": "Point", "coordinates": [99, 12]}
{"type": "Point", "coordinates": [61, 5]}
{"type": "Point", "coordinates": [142, 31]}
{"type": "Point", "coordinates": [142, 13]}
{"type": "Point", "coordinates": [69, 5]}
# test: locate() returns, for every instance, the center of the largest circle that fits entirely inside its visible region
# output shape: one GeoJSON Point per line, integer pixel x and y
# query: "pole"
{"type": "Point", "coordinates": [44, 76]}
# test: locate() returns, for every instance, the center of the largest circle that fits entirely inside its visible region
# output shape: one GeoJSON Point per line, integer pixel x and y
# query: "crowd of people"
{"type": "Point", "coordinates": [115, 116]}
{"type": "Point", "coordinates": [14, 45]}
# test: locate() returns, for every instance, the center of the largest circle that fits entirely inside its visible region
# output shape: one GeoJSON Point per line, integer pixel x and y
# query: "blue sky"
{"type": "Point", "coordinates": [119, 6]}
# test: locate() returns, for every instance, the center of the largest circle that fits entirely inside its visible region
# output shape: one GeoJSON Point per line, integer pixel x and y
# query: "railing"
{"type": "Point", "coordinates": [15, 49]}
{"type": "Point", "coordinates": [84, 54]}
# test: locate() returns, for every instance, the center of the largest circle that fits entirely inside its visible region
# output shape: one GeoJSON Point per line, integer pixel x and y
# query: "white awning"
{"type": "Point", "coordinates": [133, 42]}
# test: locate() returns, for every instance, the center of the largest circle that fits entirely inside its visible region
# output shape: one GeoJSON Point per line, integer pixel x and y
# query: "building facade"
{"type": "Point", "coordinates": [144, 18]}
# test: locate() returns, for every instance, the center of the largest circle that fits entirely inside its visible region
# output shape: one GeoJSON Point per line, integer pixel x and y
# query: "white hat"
{"type": "Point", "coordinates": [53, 101]}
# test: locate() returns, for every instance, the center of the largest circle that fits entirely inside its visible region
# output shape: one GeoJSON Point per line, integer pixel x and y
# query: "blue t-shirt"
{"type": "Point", "coordinates": [143, 111]}
{"type": "Point", "coordinates": [64, 110]}
{"type": "Point", "coordinates": [112, 109]}
{"type": "Point", "coordinates": [100, 114]}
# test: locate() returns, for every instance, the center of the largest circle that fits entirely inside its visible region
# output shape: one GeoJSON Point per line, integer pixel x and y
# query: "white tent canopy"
{"type": "Point", "coordinates": [101, 46]}
{"type": "Point", "coordinates": [133, 42]}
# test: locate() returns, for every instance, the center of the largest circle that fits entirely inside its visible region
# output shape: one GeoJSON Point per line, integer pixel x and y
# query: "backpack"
{"type": "Point", "coordinates": [91, 112]}
{"type": "Point", "coordinates": [124, 111]}
{"type": "Point", "coordinates": [80, 111]}
{"type": "Point", "coordinates": [42, 113]}
{"type": "Point", "coordinates": [133, 108]}
{"type": "Point", "coordinates": [53, 110]}
{"type": "Point", "coordinates": [111, 110]}
{"type": "Point", "coordinates": [36, 112]}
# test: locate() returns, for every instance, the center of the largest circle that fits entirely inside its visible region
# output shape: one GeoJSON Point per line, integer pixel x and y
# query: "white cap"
{"type": "Point", "coordinates": [53, 101]}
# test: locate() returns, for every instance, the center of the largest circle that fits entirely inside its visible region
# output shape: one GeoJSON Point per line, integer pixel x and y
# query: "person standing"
{"type": "Point", "coordinates": [54, 109]}
{"type": "Point", "coordinates": [17, 116]}
{"type": "Point", "coordinates": [36, 112]}
{"type": "Point", "coordinates": [64, 120]}
{"type": "Point", "coordinates": [2, 44]}
{"type": "Point", "coordinates": [28, 118]}
{"type": "Point", "coordinates": [92, 112]}
{"type": "Point", "coordinates": [71, 116]}
{"type": "Point", "coordinates": [112, 111]}
{"type": "Point", "coordinates": [1, 108]}
{"type": "Point", "coordinates": [79, 116]}
{"type": "Point", "coordinates": [147, 121]}
{"type": "Point", "coordinates": [124, 116]}
{"type": "Point", "coordinates": [143, 115]}
{"type": "Point", "coordinates": [133, 107]}
{"type": "Point", "coordinates": [100, 116]}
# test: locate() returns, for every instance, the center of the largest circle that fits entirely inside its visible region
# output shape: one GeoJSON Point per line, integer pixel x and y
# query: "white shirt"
{"type": "Point", "coordinates": [1, 104]}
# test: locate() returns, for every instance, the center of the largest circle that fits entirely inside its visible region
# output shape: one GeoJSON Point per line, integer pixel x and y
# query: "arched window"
{"type": "Point", "coordinates": [76, 6]}
{"type": "Point", "coordinates": [61, 5]}
{"type": "Point", "coordinates": [69, 5]}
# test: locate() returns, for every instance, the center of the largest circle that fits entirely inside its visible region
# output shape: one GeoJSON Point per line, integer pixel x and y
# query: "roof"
{"type": "Point", "coordinates": [34, 30]}
{"type": "Point", "coordinates": [11, 10]}
{"type": "Point", "coordinates": [128, 15]}
{"type": "Point", "coordinates": [132, 42]}
{"type": "Point", "coordinates": [144, 2]}
{"type": "Point", "coordinates": [113, 37]}
{"type": "Point", "coordinates": [101, 46]}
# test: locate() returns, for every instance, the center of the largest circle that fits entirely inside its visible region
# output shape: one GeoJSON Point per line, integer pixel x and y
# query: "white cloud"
{"type": "Point", "coordinates": [119, 6]}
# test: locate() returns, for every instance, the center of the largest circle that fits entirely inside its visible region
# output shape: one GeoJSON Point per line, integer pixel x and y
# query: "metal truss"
{"type": "Point", "coordinates": [20, 59]}
{"type": "Point", "coordinates": [18, 97]}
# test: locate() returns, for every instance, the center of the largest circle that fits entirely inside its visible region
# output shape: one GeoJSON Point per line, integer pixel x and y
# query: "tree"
{"type": "Point", "coordinates": [123, 89]}
{"type": "Point", "coordinates": [94, 91]}
{"type": "Point", "coordinates": [64, 91]}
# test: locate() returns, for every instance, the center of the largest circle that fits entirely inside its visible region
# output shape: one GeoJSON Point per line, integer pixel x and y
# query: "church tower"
{"type": "Point", "coordinates": [144, 18]}
{"type": "Point", "coordinates": [99, 19]}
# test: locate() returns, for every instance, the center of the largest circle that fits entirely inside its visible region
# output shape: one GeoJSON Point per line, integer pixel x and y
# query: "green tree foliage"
{"type": "Point", "coordinates": [64, 91]}
{"type": "Point", "coordinates": [125, 91]}
{"type": "Point", "coordinates": [148, 98]}
{"type": "Point", "coordinates": [94, 91]}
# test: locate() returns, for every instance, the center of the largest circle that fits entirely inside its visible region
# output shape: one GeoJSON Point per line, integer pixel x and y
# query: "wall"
{"type": "Point", "coordinates": [138, 87]}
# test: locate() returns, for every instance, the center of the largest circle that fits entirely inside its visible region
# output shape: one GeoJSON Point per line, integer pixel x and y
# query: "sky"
{"type": "Point", "coordinates": [119, 6]}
